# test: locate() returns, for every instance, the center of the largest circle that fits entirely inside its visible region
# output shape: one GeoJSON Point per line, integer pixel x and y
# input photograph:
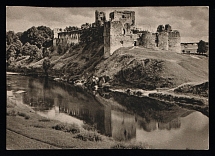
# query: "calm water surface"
{"type": "Point", "coordinates": [125, 118]}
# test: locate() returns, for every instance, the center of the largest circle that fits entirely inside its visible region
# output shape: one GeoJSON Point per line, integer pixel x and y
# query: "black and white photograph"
{"type": "Point", "coordinates": [107, 77]}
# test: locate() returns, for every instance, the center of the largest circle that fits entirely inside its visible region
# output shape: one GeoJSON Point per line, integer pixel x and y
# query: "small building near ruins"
{"type": "Point", "coordinates": [66, 38]}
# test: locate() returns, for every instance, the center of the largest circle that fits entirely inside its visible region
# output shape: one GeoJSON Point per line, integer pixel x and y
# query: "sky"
{"type": "Point", "coordinates": [191, 21]}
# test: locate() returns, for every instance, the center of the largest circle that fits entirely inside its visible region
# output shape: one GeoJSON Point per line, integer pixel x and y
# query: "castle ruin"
{"type": "Point", "coordinates": [120, 31]}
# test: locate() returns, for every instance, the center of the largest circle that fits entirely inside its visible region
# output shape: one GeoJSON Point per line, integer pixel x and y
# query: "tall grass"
{"type": "Point", "coordinates": [88, 135]}
{"type": "Point", "coordinates": [11, 113]}
{"type": "Point", "coordinates": [131, 146]}
{"type": "Point", "coordinates": [73, 128]}
{"type": "Point", "coordinates": [26, 116]}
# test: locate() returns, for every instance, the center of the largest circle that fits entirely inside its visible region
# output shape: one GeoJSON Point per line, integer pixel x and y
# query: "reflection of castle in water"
{"type": "Point", "coordinates": [123, 126]}
{"type": "Point", "coordinates": [109, 121]}
{"type": "Point", "coordinates": [154, 125]}
{"type": "Point", "coordinates": [97, 117]}
{"type": "Point", "coordinates": [120, 125]}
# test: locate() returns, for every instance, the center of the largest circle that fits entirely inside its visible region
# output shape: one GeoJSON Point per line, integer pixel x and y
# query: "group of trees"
{"type": "Point", "coordinates": [33, 42]}
{"type": "Point", "coordinates": [92, 34]}
{"type": "Point", "coordinates": [13, 45]}
{"type": "Point", "coordinates": [37, 35]}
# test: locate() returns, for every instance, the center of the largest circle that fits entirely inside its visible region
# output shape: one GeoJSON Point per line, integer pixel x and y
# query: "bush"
{"type": "Point", "coordinates": [88, 127]}
{"type": "Point", "coordinates": [44, 120]}
{"type": "Point", "coordinates": [11, 113]}
{"type": "Point", "coordinates": [38, 126]}
{"type": "Point", "coordinates": [88, 135]}
{"type": "Point", "coordinates": [10, 105]}
{"type": "Point", "coordinates": [73, 128]}
{"type": "Point", "coordinates": [23, 115]}
{"type": "Point", "coordinates": [27, 117]}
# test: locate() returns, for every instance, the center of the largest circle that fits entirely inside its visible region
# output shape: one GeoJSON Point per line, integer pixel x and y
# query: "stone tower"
{"type": "Point", "coordinates": [56, 31]}
{"type": "Point", "coordinates": [123, 17]}
{"type": "Point", "coordinates": [118, 31]}
{"type": "Point", "coordinates": [168, 39]}
{"type": "Point", "coordinates": [100, 18]}
{"type": "Point", "coordinates": [174, 39]}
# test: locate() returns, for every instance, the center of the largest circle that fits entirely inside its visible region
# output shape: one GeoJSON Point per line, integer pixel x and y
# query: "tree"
{"type": "Point", "coordinates": [10, 37]}
{"type": "Point", "coordinates": [19, 34]}
{"type": "Point", "coordinates": [37, 35]}
{"type": "Point", "coordinates": [10, 52]}
{"type": "Point", "coordinates": [46, 65]}
{"type": "Point", "coordinates": [45, 52]}
{"type": "Point", "coordinates": [70, 28]}
{"type": "Point", "coordinates": [202, 47]}
{"type": "Point", "coordinates": [86, 26]}
{"type": "Point", "coordinates": [17, 47]}
{"type": "Point", "coordinates": [32, 50]}
{"type": "Point", "coordinates": [13, 45]}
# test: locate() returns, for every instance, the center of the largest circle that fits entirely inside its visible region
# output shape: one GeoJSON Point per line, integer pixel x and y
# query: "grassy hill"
{"type": "Point", "coordinates": [131, 67]}
{"type": "Point", "coordinates": [149, 69]}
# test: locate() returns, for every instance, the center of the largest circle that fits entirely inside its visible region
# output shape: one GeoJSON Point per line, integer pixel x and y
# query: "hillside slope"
{"type": "Point", "coordinates": [131, 67]}
{"type": "Point", "coordinates": [150, 69]}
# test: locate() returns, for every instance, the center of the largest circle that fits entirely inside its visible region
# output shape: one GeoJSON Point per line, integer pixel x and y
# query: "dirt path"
{"type": "Point", "coordinates": [18, 141]}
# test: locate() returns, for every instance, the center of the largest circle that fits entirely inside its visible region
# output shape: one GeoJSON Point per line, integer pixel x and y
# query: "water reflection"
{"type": "Point", "coordinates": [143, 119]}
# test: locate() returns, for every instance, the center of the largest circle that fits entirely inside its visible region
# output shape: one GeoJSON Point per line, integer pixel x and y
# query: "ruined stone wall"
{"type": "Point", "coordinates": [107, 121]}
{"type": "Point", "coordinates": [123, 126]}
{"type": "Point", "coordinates": [106, 39]}
{"type": "Point", "coordinates": [55, 42]}
{"type": "Point", "coordinates": [120, 36]}
{"type": "Point", "coordinates": [100, 18]}
{"type": "Point", "coordinates": [123, 17]}
{"type": "Point", "coordinates": [67, 38]}
{"type": "Point", "coordinates": [163, 40]}
{"type": "Point", "coordinates": [174, 41]}
{"type": "Point", "coordinates": [116, 34]}
{"type": "Point", "coordinates": [148, 39]}
{"type": "Point", "coordinates": [56, 31]}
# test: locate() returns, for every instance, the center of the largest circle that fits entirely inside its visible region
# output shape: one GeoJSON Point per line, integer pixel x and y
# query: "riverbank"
{"type": "Point", "coordinates": [28, 130]}
{"type": "Point", "coordinates": [193, 96]}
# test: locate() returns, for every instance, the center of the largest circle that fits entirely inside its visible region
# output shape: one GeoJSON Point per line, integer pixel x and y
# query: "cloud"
{"type": "Point", "coordinates": [192, 22]}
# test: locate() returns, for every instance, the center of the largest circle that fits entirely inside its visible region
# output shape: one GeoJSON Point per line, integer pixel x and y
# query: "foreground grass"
{"type": "Point", "coordinates": [38, 128]}
{"type": "Point", "coordinates": [28, 130]}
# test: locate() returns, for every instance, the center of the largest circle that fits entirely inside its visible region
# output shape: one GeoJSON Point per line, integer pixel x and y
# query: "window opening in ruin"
{"type": "Point", "coordinates": [121, 42]}
{"type": "Point", "coordinates": [135, 43]}
{"type": "Point", "coordinates": [123, 31]}
{"type": "Point", "coordinates": [123, 16]}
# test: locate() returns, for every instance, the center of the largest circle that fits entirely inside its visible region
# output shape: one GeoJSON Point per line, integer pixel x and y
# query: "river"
{"type": "Point", "coordinates": [125, 118]}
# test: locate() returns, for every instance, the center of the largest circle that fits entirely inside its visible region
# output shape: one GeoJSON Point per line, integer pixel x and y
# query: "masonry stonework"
{"type": "Point", "coordinates": [148, 39]}
{"type": "Point", "coordinates": [67, 38]}
{"type": "Point", "coordinates": [163, 40]}
{"type": "Point", "coordinates": [100, 18]}
{"type": "Point", "coordinates": [174, 41]}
